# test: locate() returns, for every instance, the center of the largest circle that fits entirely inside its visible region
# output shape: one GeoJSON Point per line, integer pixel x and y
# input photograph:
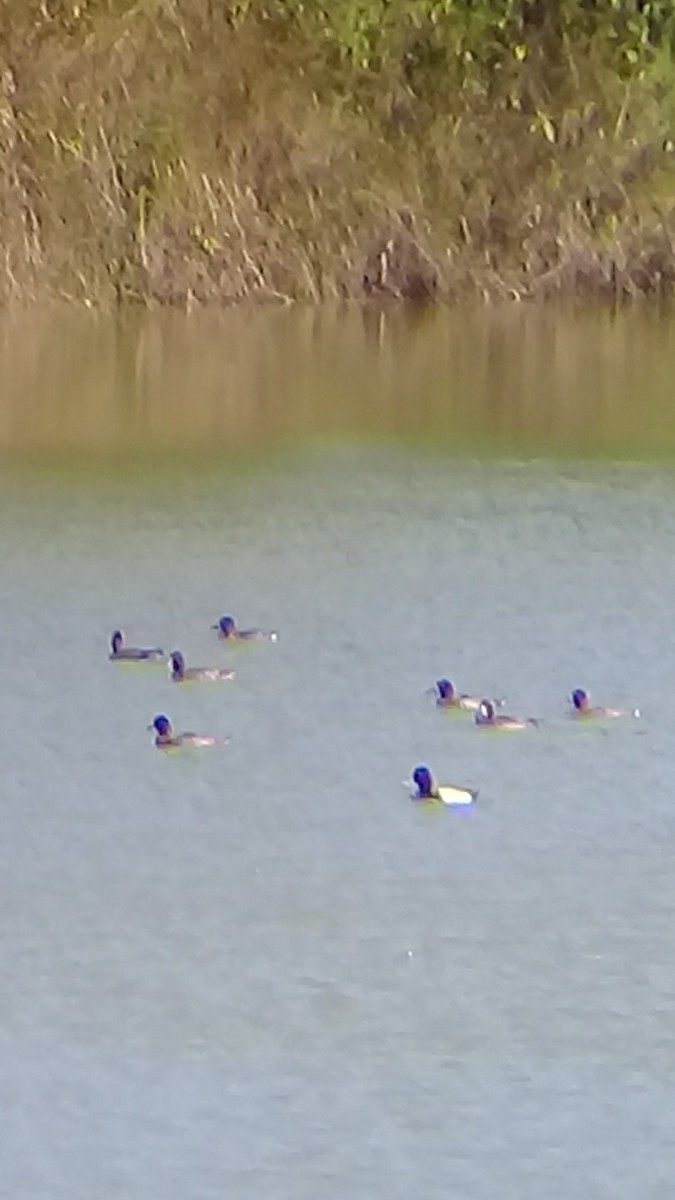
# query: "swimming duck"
{"type": "Point", "coordinates": [582, 708]}
{"type": "Point", "coordinates": [182, 674]}
{"type": "Point", "coordinates": [227, 628]}
{"type": "Point", "coordinates": [166, 739]}
{"type": "Point", "coordinates": [448, 697]}
{"type": "Point", "coordinates": [426, 789]}
{"type": "Point", "coordinates": [118, 651]}
{"type": "Point", "coordinates": [486, 718]}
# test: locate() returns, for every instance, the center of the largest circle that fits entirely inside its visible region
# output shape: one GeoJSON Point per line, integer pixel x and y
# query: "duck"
{"type": "Point", "coordinates": [582, 708]}
{"type": "Point", "coordinates": [228, 629]}
{"type": "Point", "coordinates": [179, 673]}
{"type": "Point", "coordinates": [448, 697]}
{"type": "Point", "coordinates": [166, 739]}
{"type": "Point", "coordinates": [427, 790]}
{"type": "Point", "coordinates": [487, 718]}
{"type": "Point", "coordinates": [122, 653]}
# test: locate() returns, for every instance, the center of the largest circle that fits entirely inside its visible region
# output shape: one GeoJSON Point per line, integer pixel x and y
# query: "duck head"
{"type": "Point", "coordinates": [117, 641]}
{"type": "Point", "coordinates": [176, 665]}
{"type": "Point", "coordinates": [424, 782]}
{"type": "Point", "coordinates": [225, 626]}
{"type": "Point", "coordinates": [580, 701]}
{"type": "Point", "coordinates": [445, 689]}
{"type": "Point", "coordinates": [161, 725]}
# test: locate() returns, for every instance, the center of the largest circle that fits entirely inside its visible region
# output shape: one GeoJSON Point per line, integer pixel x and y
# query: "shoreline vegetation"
{"type": "Point", "coordinates": [213, 151]}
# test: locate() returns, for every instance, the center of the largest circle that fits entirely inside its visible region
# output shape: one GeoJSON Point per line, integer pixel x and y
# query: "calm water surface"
{"type": "Point", "coordinates": [261, 971]}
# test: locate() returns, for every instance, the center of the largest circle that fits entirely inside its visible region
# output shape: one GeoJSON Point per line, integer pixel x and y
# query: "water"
{"type": "Point", "coordinates": [261, 971]}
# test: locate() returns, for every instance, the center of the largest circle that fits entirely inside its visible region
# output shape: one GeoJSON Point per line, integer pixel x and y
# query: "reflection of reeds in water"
{"type": "Point", "coordinates": [139, 383]}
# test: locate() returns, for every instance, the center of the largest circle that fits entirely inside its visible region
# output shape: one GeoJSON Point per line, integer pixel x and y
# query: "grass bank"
{"type": "Point", "coordinates": [188, 151]}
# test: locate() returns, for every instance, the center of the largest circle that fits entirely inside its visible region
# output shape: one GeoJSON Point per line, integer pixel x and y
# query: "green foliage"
{"type": "Point", "coordinates": [214, 148]}
{"type": "Point", "coordinates": [371, 33]}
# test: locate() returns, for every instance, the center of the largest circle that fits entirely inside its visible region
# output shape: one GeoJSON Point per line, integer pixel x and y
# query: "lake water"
{"type": "Point", "coordinates": [261, 971]}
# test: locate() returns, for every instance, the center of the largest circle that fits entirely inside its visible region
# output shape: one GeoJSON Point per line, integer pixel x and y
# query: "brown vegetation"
{"type": "Point", "coordinates": [186, 151]}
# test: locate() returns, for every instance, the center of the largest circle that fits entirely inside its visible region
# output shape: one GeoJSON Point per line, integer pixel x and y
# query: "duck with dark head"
{"type": "Point", "coordinates": [179, 673]}
{"type": "Point", "coordinates": [166, 739]}
{"type": "Point", "coordinates": [448, 697]}
{"type": "Point", "coordinates": [488, 718]}
{"type": "Point", "coordinates": [582, 709]}
{"type": "Point", "coordinates": [426, 790]}
{"type": "Point", "coordinates": [229, 631]}
{"type": "Point", "coordinates": [121, 653]}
